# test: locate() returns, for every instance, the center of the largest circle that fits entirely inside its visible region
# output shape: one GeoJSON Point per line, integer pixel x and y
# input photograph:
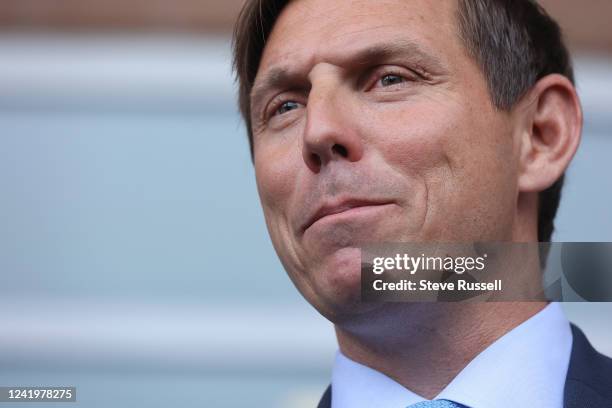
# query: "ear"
{"type": "Point", "coordinates": [552, 132]}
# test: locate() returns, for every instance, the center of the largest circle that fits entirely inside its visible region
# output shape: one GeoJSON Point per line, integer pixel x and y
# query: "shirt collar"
{"type": "Point", "coordinates": [525, 367]}
{"type": "Point", "coordinates": [355, 385]}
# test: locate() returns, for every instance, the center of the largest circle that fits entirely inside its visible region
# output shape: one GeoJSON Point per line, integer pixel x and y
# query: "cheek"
{"type": "Point", "coordinates": [412, 140]}
{"type": "Point", "coordinates": [483, 154]}
{"type": "Point", "coordinates": [275, 170]}
{"type": "Point", "coordinates": [442, 138]}
{"type": "Point", "coordinates": [463, 160]}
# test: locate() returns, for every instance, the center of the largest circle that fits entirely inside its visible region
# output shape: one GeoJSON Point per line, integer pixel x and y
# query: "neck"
{"type": "Point", "coordinates": [423, 346]}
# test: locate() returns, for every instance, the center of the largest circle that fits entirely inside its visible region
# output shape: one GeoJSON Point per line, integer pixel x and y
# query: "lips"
{"type": "Point", "coordinates": [338, 207]}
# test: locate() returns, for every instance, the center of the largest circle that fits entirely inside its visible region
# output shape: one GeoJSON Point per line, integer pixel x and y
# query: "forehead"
{"type": "Point", "coordinates": [312, 31]}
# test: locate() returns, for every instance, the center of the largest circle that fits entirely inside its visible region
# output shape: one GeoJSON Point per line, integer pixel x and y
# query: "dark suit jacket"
{"type": "Point", "coordinates": [588, 383]}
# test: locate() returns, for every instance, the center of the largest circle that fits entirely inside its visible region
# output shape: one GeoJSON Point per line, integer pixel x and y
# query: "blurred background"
{"type": "Point", "coordinates": [134, 259]}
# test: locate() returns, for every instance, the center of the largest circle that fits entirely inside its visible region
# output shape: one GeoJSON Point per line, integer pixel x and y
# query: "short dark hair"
{"type": "Point", "coordinates": [515, 43]}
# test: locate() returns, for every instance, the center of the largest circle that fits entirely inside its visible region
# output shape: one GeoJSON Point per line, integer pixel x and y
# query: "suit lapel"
{"type": "Point", "coordinates": [589, 377]}
{"type": "Point", "coordinates": [326, 399]}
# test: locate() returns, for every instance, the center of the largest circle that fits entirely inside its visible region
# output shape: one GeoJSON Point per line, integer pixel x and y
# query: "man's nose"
{"type": "Point", "coordinates": [330, 132]}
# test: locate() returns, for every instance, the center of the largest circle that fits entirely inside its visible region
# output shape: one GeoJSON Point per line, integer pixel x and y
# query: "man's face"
{"type": "Point", "coordinates": [371, 123]}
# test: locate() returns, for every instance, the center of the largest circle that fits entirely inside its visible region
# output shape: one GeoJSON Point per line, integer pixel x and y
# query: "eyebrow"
{"type": "Point", "coordinates": [275, 78]}
{"type": "Point", "coordinates": [397, 48]}
{"type": "Point", "coordinates": [285, 77]}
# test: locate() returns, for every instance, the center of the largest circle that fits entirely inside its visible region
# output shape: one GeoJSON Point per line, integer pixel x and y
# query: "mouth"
{"type": "Point", "coordinates": [343, 208]}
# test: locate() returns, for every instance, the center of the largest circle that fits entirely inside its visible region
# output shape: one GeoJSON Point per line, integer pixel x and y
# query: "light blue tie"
{"type": "Point", "coordinates": [437, 404]}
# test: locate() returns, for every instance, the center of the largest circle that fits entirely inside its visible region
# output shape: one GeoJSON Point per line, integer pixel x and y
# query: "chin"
{"type": "Point", "coordinates": [338, 280]}
{"type": "Point", "coordinates": [340, 272]}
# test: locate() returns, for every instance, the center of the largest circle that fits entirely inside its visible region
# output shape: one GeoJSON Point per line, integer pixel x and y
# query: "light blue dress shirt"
{"type": "Point", "coordinates": [524, 368]}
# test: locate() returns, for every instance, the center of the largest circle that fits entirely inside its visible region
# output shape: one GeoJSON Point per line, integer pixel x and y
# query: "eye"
{"type": "Point", "coordinates": [278, 112]}
{"type": "Point", "coordinates": [391, 79]}
{"type": "Point", "coordinates": [286, 107]}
